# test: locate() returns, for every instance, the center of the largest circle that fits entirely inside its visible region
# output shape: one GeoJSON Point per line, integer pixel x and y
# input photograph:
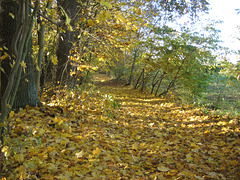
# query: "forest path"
{"type": "Point", "coordinates": [113, 132]}
{"type": "Point", "coordinates": [164, 140]}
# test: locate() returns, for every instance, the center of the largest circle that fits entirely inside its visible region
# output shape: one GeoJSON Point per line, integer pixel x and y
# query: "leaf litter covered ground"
{"type": "Point", "coordinates": [114, 132]}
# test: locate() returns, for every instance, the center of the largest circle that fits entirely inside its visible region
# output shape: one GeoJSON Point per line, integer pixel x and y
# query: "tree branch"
{"type": "Point", "coordinates": [47, 18]}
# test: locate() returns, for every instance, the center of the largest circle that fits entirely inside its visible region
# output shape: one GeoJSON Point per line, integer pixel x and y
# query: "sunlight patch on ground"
{"type": "Point", "coordinates": [95, 136]}
{"type": "Point", "coordinates": [101, 77]}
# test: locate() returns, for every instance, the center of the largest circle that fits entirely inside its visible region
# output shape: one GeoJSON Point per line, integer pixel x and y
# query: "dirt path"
{"type": "Point", "coordinates": [114, 132]}
{"type": "Point", "coordinates": [160, 139]}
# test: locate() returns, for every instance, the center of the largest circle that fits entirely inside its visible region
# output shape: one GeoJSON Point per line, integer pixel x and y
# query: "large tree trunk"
{"type": "Point", "coordinates": [7, 32]}
{"type": "Point", "coordinates": [66, 39]}
{"type": "Point", "coordinates": [27, 94]}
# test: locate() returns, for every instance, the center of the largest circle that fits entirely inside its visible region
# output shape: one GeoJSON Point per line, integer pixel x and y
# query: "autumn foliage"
{"type": "Point", "coordinates": [112, 132]}
{"type": "Point", "coordinates": [107, 89]}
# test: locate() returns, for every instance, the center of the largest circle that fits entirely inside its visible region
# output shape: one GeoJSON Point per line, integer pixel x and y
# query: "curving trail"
{"type": "Point", "coordinates": [162, 139]}
{"type": "Point", "coordinates": [115, 132]}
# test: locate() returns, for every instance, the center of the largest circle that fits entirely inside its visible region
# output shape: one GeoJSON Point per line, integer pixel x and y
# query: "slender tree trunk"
{"type": "Point", "coordinates": [40, 54]}
{"type": "Point", "coordinates": [41, 34]}
{"type": "Point", "coordinates": [172, 83]}
{"type": "Point", "coordinates": [143, 80]}
{"type": "Point", "coordinates": [132, 67]}
{"type": "Point", "coordinates": [45, 71]}
{"type": "Point", "coordinates": [138, 80]}
{"type": "Point", "coordinates": [153, 81]}
{"type": "Point", "coordinates": [160, 82]}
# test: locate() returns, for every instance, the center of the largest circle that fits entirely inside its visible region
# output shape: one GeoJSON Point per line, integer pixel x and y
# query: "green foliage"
{"type": "Point", "coordinates": [229, 69]}
{"type": "Point", "coordinates": [109, 105]}
{"type": "Point", "coordinates": [181, 56]}
{"type": "Point", "coordinates": [221, 95]}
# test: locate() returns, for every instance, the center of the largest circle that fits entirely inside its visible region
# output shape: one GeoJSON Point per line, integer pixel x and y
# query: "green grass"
{"type": "Point", "coordinates": [222, 96]}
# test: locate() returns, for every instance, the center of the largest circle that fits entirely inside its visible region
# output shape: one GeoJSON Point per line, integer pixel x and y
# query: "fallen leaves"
{"type": "Point", "coordinates": [90, 136]}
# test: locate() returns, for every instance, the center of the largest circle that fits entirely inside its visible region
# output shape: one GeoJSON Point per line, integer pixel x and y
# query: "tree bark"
{"type": "Point", "coordinates": [27, 94]}
{"type": "Point", "coordinates": [66, 39]}
{"type": "Point", "coordinates": [138, 80]}
{"type": "Point", "coordinates": [132, 67]}
{"type": "Point", "coordinates": [7, 36]}
{"type": "Point", "coordinates": [172, 83]}
{"type": "Point", "coordinates": [160, 82]}
{"type": "Point", "coordinates": [153, 82]}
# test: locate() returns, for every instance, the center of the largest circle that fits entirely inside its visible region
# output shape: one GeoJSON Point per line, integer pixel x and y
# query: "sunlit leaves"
{"type": "Point", "coordinates": [180, 56]}
{"type": "Point", "coordinates": [139, 11]}
{"type": "Point", "coordinates": [97, 152]}
{"type": "Point", "coordinates": [5, 151]}
{"type": "Point", "coordinates": [103, 16]}
{"type": "Point", "coordinates": [106, 3]}
{"type": "Point", "coordinates": [90, 22]}
{"type": "Point", "coordinates": [67, 19]}
{"type": "Point", "coordinates": [120, 133]}
{"type": "Point", "coordinates": [146, 137]}
{"type": "Point", "coordinates": [24, 66]}
{"type": "Point", "coordinates": [54, 60]}
{"type": "Point", "coordinates": [4, 56]}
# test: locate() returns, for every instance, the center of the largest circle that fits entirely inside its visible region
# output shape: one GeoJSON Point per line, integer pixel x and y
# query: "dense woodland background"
{"type": "Point", "coordinates": [56, 48]}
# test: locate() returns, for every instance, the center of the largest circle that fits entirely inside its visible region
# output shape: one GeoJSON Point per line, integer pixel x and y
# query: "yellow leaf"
{"type": "Point", "coordinates": [163, 168]}
{"type": "Point", "coordinates": [94, 68]}
{"type": "Point", "coordinates": [12, 15]}
{"type": "Point", "coordinates": [189, 157]}
{"type": "Point", "coordinates": [4, 56]}
{"type": "Point", "coordinates": [108, 158]}
{"type": "Point", "coordinates": [105, 3]}
{"type": "Point", "coordinates": [90, 22]}
{"type": "Point", "coordinates": [97, 151]}
{"type": "Point", "coordinates": [67, 20]}
{"type": "Point", "coordinates": [5, 150]}
{"type": "Point", "coordinates": [18, 120]}
{"type": "Point", "coordinates": [82, 19]}
{"type": "Point", "coordinates": [24, 66]}
{"type": "Point", "coordinates": [139, 11]}
{"type": "Point", "coordinates": [54, 60]}
{"type": "Point", "coordinates": [52, 167]}
{"type": "Point", "coordinates": [11, 114]}
{"type": "Point", "coordinates": [22, 172]}
{"type": "Point", "coordinates": [103, 15]}
{"type": "Point", "coordinates": [19, 157]}
{"type": "Point", "coordinates": [38, 69]}
{"type": "Point", "coordinates": [79, 154]}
